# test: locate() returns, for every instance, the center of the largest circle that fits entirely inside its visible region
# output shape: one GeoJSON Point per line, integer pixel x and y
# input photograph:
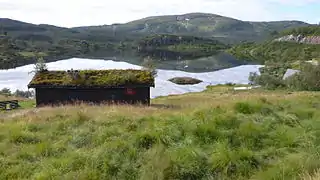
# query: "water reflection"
{"type": "Point", "coordinates": [171, 61]}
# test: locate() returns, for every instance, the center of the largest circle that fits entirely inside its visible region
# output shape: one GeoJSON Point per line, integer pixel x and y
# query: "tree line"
{"type": "Point", "coordinates": [18, 93]}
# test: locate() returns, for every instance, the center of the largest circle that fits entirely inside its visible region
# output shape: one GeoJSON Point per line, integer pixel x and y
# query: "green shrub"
{"type": "Point", "coordinates": [270, 76]}
{"type": "Point", "coordinates": [146, 140]}
{"type": "Point", "coordinates": [246, 108]}
{"type": "Point", "coordinates": [268, 81]}
{"type": "Point", "coordinates": [24, 138]}
{"type": "Point", "coordinates": [307, 80]}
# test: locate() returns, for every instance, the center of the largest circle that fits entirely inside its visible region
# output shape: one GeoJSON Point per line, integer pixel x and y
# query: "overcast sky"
{"type": "Point", "coordinates": [70, 13]}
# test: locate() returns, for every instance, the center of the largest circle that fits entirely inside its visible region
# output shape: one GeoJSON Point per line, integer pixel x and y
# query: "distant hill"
{"type": "Point", "coordinates": [195, 24]}
{"type": "Point", "coordinates": [21, 43]}
{"type": "Point", "coordinates": [226, 29]}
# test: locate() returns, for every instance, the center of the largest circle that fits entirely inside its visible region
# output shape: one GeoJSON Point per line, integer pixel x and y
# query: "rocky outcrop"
{"type": "Point", "coordinates": [289, 73]}
{"type": "Point", "coordinates": [185, 80]}
{"type": "Point", "coordinates": [300, 39]}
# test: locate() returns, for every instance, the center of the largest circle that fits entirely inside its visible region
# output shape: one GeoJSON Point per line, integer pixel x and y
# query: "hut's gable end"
{"type": "Point", "coordinates": [93, 78]}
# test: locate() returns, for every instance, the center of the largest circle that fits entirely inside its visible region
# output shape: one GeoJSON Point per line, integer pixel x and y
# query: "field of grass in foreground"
{"type": "Point", "coordinates": [216, 134]}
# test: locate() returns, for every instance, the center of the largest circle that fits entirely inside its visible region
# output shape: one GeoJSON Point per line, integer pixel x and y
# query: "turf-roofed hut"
{"type": "Point", "coordinates": [92, 86]}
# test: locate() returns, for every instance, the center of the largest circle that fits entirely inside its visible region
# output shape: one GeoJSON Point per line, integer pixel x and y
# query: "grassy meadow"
{"type": "Point", "coordinates": [215, 134]}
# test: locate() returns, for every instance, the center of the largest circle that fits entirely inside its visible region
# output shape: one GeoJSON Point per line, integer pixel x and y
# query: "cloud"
{"type": "Point", "coordinates": [70, 13]}
{"type": "Point", "coordinates": [294, 2]}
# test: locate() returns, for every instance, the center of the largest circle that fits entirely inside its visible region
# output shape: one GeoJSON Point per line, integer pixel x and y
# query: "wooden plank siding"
{"type": "Point", "coordinates": [56, 96]}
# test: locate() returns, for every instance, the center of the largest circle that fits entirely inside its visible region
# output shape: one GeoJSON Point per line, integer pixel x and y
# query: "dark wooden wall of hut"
{"type": "Point", "coordinates": [54, 96]}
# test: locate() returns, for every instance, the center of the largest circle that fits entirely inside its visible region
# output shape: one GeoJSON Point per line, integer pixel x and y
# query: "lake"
{"type": "Point", "coordinates": [19, 77]}
{"type": "Point", "coordinates": [175, 61]}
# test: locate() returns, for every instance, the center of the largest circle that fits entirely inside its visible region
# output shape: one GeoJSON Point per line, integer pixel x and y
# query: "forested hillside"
{"type": "Point", "coordinates": [16, 52]}
{"type": "Point", "coordinates": [313, 30]}
{"type": "Point", "coordinates": [282, 50]}
{"type": "Point", "coordinates": [22, 43]}
{"type": "Point", "coordinates": [177, 47]}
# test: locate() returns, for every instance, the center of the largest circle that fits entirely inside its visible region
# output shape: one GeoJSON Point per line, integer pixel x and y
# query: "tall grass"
{"type": "Point", "coordinates": [244, 137]}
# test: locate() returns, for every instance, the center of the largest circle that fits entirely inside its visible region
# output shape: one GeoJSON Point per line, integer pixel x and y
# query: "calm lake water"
{"type": "Point", "coordinates": [203, 64]}
{"type": "Point", "coordinates": [18, 78]}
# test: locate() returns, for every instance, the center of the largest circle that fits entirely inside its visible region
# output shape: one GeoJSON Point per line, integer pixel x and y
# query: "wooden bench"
{"type": "Point", "coordinates": [9, 105]}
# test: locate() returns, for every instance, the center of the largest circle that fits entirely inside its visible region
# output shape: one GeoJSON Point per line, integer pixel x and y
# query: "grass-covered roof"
{"type": "Point", "coordinates": [93, 78]}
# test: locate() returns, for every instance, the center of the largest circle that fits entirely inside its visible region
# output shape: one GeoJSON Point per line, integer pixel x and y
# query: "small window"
{"type": "Point", "coordinates": [130, 91]}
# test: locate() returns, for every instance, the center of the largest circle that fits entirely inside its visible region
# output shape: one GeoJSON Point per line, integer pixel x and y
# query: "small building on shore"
{"type": "Point", "coordinates": [92, 86]}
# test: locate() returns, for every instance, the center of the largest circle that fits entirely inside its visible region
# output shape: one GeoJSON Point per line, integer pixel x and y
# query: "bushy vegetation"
{"type": "Point", "coordinates": [307, 80]}
{"type": "Point", "coordinates": [280, 52]}
{"type": "Point", "coordinates": [106, 78]}
{"type": "Point", "coordinates": [313, 30]}
{"type": "Point", "coordinates": [276, 52]}
{"type": "Point", "coordinates": [18, 93]}
{"type": "Point", "coordinates": [185, 80]}
{"type": "Point", "coordinates": [271, 77]}
{"type": "Point", "coordinates": [211, 135]}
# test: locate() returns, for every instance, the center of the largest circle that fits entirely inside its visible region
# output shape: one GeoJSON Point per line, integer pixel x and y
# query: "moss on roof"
{"type": "Point", "coordinates": [101, 78]}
